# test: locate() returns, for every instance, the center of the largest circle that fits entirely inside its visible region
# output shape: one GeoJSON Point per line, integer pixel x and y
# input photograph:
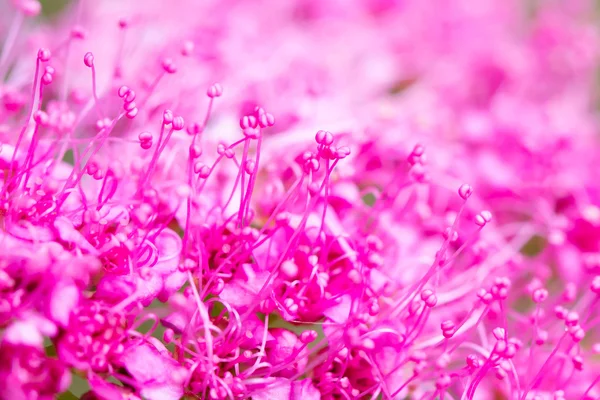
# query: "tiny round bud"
{"type": "Point", "coordinates": [448, 329]}
{"type": "Point", "coordinates": [432, 301]}
{"type": "Point", "coordinates": [539, 295]}
{"type": "Point", "coordinates": [342, 152]}
{"type": "Point", "coordinates": [448, 333]}
{"type": "Point", "coordinates": [219, 285]}
{"type": "Point", "coordinates": [202, 170]}
{"type": "Point", "coordinates": [447, 325]}
{"type": "Point", "coordinates": [168, 335]}
{"type": "Point", "coordinates": [187, 48]}
{"type": "Point", "coordinates": [425, 294]}
{"type": "Point", "coordinates": [195, 151]}
{"type": "Point", "coordinates": [465, 191]}
{"type": "Point", "coordinates": [541, 337]}
{"type": "Point", "coordinates": [499, 333]}
{"type": "Point", "coordinates": [266, 306]}
{"type": "Point", "coordinates": [479, 220]}
{"type": "Point", "coordinates": [88, 59]}
{"type": "Point", "coordinates": [178, 123]}
{"type": "Point", "coordinates": [40, 117]}
{"type": "Point", "coordinates": [324, 138]}
{"type": "Point", "coordinates": [92, 168]}
{"type": "Point", "coordinates": [374, 309]}
{"type": "Point", "coordinates": [248, 121]}
{"type": "Point", "coordinates": [132, 113]}
{"type": "Point", "coordinates": [572, 318]}
{"type": "Point", "coordinates": [560, 312]}
{"type": "Point", "coordinates": [578, 334]}
{"type": "Point", "coordinates": [168, 66]}
{"type": "Point", "coordinates": [30, 8]}
{"type": "Point", "coordinates": [289, 269]}
{"type": "Point", "coordinates": [451, 235]}
{"type": "Point", "coordinates": [215, 90]}
{"type": "Point", "coordinates": [44, 54]}
{"type": "Point", "coordinates": [265, 120]}
{"type": "Point", "coordinates": [47, 79]}
{"type": "Point", "coordinates": [487, 216]}
{"type": "Point", "coordinates": [313, 164]}
{"type": "Point", "coordinates": [130, 96]}
{"type": "Point", "coordinates": [308, 336]}
{"type": "Point", "coordinates": [249, 166]}
{"type": "Point", "coordinates": [123, 90]}
{"type": "Point", "coordinates": [429, 297]}
{"type": "Point", "coordinates": [129, 106]}
{"type": "Point", "coordinates": [167, 117]}
{"type": "Point", "coordinates": [488, 298]}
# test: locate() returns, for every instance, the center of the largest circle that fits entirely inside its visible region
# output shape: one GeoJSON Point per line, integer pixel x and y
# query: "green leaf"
{"type": "Point", "coordinates": [67, 396]}
{"type": "Point", "coordinates": [369, 199]}
{"type": "Point", "coordinates": [50, 8]}
{"type": "Point", "coordinates": [50, 350]}
{"type": "Point", "coordinates": [79, 386]}
{"type": "Point", "coordinates": [68, 158]}
{"type": "Point", "coordinates": [534, 246]}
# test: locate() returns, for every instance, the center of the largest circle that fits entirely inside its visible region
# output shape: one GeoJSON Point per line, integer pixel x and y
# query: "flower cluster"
{"type": "Point", "coordinates": [304, 228]}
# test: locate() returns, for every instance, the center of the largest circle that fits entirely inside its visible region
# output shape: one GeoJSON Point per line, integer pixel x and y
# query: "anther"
{"type": "Point", "coordinates": [215, 90]}
{"type": "Point", "coordinates": [44, 55]}
{"type": "Point", "coordinates": [465, 191]}
{"type": "Point", "coordinates": [88, 59]}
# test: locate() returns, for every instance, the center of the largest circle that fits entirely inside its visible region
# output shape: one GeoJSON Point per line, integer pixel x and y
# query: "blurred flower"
{"type": "Point", "coordinates": [301, 229]}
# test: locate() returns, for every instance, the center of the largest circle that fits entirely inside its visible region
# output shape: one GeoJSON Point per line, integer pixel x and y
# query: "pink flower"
{"type": "Point", "coordinates": [27, 373]}
{"type": "Point", "coordinates": [300, 200]}
{"type": "Point", "coordinates": [159, 375]}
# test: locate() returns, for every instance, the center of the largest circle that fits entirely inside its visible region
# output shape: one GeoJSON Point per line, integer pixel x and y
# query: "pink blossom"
{"type": "Point", "coordinates": [299, 200]}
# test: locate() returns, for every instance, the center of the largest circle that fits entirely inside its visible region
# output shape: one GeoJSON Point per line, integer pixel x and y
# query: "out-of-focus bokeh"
{"type": "Point", "coordinates": [299, 199]}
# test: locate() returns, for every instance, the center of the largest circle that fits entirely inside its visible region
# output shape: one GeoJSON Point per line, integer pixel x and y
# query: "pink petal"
{"type": "Point", "coordinates": [63, 300]}
{"type": "Point", "coordinates": [154, 371]}
{"type": "Point", "coordinates": [340, 312]}
{"type": "Point", "coordinates": [24, 333]}
{"type": "Point", "coordinates": [280, 389]}
{"type": "Point", "coordinates": [304, 390]}
{"type": "Point", "coordinates": [168, 244]}
{"type": "Point", "coordinates": [69, 234]}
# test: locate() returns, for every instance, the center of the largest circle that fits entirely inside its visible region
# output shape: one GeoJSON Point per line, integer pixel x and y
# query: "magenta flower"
{"type": "Point", "coordinates": [268, 200]}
